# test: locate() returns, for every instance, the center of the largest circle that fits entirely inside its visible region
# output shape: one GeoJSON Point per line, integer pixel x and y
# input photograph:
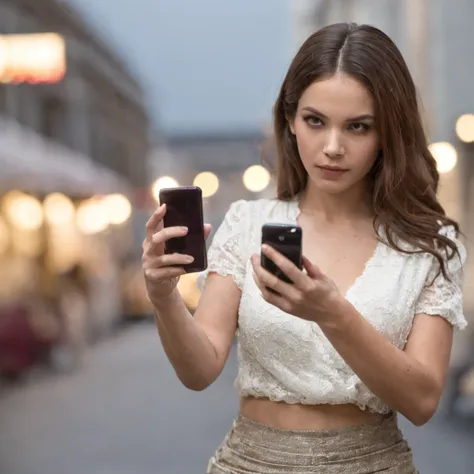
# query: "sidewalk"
{"type": "Point", "coordinates": [441, 446]}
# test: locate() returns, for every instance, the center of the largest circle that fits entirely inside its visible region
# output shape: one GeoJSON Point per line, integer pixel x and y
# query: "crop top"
{"type": "Point", "coordinates": [285, 358]}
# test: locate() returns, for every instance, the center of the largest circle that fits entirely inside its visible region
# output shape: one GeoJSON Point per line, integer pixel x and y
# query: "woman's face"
{"type": "Point", "coordinates": [336, 135]}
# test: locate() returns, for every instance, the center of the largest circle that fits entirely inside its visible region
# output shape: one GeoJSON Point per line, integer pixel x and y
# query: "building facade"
{"type": "Point", "coordinates": [96, 112]}
{"type": "Point", "coordinates": [73, 150]}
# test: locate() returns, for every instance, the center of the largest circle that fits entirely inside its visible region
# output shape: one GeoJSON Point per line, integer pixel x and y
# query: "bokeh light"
{"type": "Point", "coordinates": [256, 178]}
{"type": "Point", "coordinates": [445, 155]}
{"type": "Point", "coordinates": [162, 183]}
{"type": "Point", "coordinates": [465, 128]}
{"type": "Point", "coordinates": [208, 182]}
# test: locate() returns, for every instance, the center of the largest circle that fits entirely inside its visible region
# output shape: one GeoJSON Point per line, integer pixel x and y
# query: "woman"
{"type": "Point", "coordinates": [366, 329]}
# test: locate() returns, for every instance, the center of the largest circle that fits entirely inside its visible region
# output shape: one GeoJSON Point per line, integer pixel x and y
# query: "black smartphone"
{"type": "Point", "coordinates": [286, 239]}
{"type": "Point", "coordinates": [184, 208]}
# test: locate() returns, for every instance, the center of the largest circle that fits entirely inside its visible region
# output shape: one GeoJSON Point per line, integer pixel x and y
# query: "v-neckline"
{"type": "Point", "coordinates": [294, 212]}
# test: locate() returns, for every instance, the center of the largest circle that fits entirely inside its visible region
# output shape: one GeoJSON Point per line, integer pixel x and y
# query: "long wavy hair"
{"type": "Point", "coordinates": [404, 179]}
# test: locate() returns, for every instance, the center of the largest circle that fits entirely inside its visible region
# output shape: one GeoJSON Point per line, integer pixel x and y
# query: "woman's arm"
{"type": "Point", "coordinates": [198, 345]}
{"type": "Point", "coordinates": [411, 381]}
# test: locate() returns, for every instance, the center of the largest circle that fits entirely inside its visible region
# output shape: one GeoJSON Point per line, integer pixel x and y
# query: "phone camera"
{"type": "Point", "coordinates": [281, 238]}
{"type": "Point", "coordinates": [293, 230]}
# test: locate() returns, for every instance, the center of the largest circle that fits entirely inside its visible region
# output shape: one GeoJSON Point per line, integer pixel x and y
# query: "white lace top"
{"type": "Point", "coordinates": [284, 358]}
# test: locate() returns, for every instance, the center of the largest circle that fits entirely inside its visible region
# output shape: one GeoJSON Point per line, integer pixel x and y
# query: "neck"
{"type": "Point", "coordinates": [353, 204]}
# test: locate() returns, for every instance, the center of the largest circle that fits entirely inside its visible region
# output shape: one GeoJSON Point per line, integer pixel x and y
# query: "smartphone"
{"type": "Point", "coordinates": [286, 239]}
{"type": "Point", "coordinates": [184, 208]}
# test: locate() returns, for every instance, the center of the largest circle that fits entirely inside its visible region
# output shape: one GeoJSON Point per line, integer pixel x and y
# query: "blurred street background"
{"type": "Point", "coordinates": [102, 103]}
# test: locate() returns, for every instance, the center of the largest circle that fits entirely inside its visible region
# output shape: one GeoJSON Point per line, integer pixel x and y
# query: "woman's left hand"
{"type": "Point", "coordinates": [312, 296]}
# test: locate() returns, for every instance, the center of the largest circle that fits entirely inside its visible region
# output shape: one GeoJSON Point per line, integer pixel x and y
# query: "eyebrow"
{"type": "Point", "coordinates": [353, 119]}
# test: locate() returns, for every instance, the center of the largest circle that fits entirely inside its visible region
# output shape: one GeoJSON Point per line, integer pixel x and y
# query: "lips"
{"type": "Point", "coordinates": [331, 173]}
{"type": "Point", "coordinates": [332, 168]}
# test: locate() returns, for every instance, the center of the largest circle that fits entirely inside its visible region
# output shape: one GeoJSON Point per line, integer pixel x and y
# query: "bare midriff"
{"type": "Point", "coordinates": [305, 417]}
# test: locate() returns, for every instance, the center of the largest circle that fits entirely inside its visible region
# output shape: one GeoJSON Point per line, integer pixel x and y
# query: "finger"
{"type": "Point", "coordinates": [159, 274]}
{"type": "Point", "coordinates": [272, 281]}
{"type": "Point", "coordinates": [271, 297]}
{"type": "Point", "coordinates": [312, 270]}
{"type": "Point", "coordinates": [159, 239]}
{"type": "Point", "coordinates": [173, 259]}
{"type": "Point", "coordinates": [166, 260]}
{"type": "Point", "coordinates": [285, 265]}
{"type": "Point", "coordinates": [207, 230]}
{"type": "Point", "coordinates": [153, 224]}
{"type": "Point", "coordinates": [267, 293]}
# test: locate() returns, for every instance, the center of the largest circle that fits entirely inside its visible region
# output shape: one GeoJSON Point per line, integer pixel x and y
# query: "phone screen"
{"type": "Point", "coordinates": [184, 208]}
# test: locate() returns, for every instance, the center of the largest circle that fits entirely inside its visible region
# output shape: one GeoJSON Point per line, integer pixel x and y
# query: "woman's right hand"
{"type": "Point", "coordinates": [161, 270]}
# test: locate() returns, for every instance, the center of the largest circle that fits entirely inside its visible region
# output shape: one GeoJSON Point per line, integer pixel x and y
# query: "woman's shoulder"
{"type": "Point", "coordinates": [450, 232]}
{"type": "Point", "coordinates": [453, 235]}
{"type": "Point", "coordinates": [416, 254]}
{"type": "Point", "coordinates": [459, 257]}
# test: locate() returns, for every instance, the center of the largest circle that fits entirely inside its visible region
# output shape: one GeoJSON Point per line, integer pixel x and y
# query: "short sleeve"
{"type": "Point", "coordinates": [442, 297]}
{"type": "Point", "coordinates": [226, 254]}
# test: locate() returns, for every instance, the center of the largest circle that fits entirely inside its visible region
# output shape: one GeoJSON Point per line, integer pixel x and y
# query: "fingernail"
{"type": "Point", "coordinates": [183, 229]}
{"type": "Point", "coordinates": [189, 259]}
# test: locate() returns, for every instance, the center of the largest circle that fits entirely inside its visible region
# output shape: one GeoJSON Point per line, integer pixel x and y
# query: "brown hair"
{"type": "Point", "coordinates": [404, 178]}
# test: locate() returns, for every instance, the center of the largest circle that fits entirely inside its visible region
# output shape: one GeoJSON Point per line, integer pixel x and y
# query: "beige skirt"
{"type": "Point", "coordinates": [251, 447]}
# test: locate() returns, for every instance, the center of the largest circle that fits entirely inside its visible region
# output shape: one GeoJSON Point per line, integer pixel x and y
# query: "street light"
{"type": "Point", "coordinates": [92, 217]}
{"type": "Point", "coordinates": [208, 182]}
{"type": "Point", "coordinates": [58, 209]}
{"type": "Point", "coordinates": [118, 207]}
{"type": "Point", "coordinates": [23, 211]}
{"type": "Point", "coordinates": [256, 178]}
{"type": "Point", "coordinates": [465, 128]}
{"type": "Point", "coordinates": [445, 155]}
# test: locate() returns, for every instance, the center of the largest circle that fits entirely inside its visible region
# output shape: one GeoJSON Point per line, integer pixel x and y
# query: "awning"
{"type": "Point", "coordinates": [33, 163]}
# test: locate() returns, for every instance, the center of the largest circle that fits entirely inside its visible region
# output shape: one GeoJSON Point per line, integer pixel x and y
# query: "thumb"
{"type": "Point", "coordinates": [312, 270]}
{"type": "Point", "coordinates": [207, 230]}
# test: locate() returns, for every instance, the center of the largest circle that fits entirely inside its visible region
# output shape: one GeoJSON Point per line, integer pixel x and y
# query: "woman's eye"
{"type": "Point", "coordinates": [313, 121]}
{"type": "Point", "coordinates": [359, 127]}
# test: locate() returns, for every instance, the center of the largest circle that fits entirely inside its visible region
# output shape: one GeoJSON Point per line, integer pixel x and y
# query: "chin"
{"type": "Point", "coordinates": [331, 187]}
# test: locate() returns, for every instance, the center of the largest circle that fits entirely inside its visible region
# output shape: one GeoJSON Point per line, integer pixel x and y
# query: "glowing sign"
{"type": "Point", "coordinates": [33, 58]}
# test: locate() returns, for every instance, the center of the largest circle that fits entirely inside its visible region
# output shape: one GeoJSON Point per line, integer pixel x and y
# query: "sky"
{"type": "Point", "coordinates": [206, 65]}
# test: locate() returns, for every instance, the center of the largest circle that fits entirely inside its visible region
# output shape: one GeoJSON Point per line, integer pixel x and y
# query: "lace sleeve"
{"type": "Point", "coordinates": [226, 252]}
{"type": "Point", "coordinates": [442, 297]}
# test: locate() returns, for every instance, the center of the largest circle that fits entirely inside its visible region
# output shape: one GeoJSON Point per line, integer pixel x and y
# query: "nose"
{"type": "Point", "coordinates": [333, 147]}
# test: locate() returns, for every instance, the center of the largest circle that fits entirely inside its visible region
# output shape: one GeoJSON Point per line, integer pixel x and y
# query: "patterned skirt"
{"type": "Point", "coordinates": [252, 447]}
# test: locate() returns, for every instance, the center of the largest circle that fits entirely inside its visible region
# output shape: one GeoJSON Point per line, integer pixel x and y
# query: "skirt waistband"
{"type": "Point", "coordinates": [254, 447]}
{"type": "Point", "coordinates": [380, 434]}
